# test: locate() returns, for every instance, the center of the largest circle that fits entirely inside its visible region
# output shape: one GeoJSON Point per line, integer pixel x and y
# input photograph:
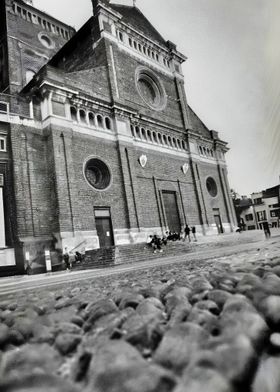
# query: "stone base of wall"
{"type": "Point", "coordinates": [80, 241]}
{"type": "Point", "coordinates": [135, 236]}
{"type": "Point", "coordinates": [85, 242]}
{"type": "Point", "coordinates": [33, 254]}
{"type": "Point", "coordinates": [7, 257]}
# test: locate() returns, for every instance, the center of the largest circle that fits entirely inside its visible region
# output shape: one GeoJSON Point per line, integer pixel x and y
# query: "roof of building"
{"type": "Point", "coordinates": [31, 7]}
{"type": "Point", "coordinates": [133, 16]}
{"type": "Point", "coordinates": [196, 124]}
{"type": "Point", "coordinates": [243, 203]}
{"type": "Point", "coordinates": [271, 192]}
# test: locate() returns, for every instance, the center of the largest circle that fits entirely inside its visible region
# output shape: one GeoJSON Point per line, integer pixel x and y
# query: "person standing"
{"type": "Point", "coordinates": [66, 258]}
{"type": "Point", "coordinates": [187, 231]}
{"type": "Point", "coordinates": [194, 233]}
{"type": "Point", "coordinates": [266, 230]}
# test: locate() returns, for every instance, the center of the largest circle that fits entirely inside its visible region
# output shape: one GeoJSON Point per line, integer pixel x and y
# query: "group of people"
{"type": "Point", "coordinates": [157, 242]}
{"type": "Point", "coordinates": [188, 231]}
{"type": "Point", "coordinates": [67, 261]}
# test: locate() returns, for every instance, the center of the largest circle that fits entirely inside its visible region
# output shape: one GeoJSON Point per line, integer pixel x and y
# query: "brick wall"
{"type": "Point", "coordinates": [33, 188]}
{"type": "Point", "coordinates": [3, 48]}
{"type": "Point", "coordinates": [210, 202]}
{"type": "Point", "coordinates": [26, 52]}
{"type": "Point", "coordinates": [76, 191]}
{"type": "Point", "coordinates": [125, 68]}
{"type": "Point", "coordinates": [167, 171]}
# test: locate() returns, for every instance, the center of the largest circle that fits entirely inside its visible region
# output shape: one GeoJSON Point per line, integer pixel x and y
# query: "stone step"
{"type": "Point", "coordinates": [128, 254]}
{"type": "Point", "coordinates": [108, 257]}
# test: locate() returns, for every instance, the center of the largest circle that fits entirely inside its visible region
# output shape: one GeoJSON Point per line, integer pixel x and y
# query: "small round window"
{"type": "Point", "coordinates": [46, 41]}
{"type": "Point", "coordinates": [97, 174]}
{"type": "Point", "coordinates": [150, 89]}
{"type": "Point", "coordinates": [211, 186]}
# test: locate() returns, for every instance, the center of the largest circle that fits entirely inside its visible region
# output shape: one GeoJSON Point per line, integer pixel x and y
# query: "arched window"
{"type": "Point", "coordinates": [140, 48]}
{"type": "Point", "coordinates": [143, 134]}
{"type": "Point", "coordinates": [132, 130]}
{"type": "Point", "coordinates": [204, 151]}
{"type": "Point", "coordinates": [179, 144]}
{"type": "Point", "coordinates": [159, 138]}
{"type": "Point", "coordinates": [135, 45]}
{"type": "Point", "coordinates": [107, 123]}
{"type": "Point", "coordinates": [120, 36]}
{"type": "Point", "coordinates": [174, 142]}
{"type": "Point", "coordinates": [99, 121]}
{"type": "Point", "coordinates": [130, 41]}
{"type": "Point", "coordinates": [83, 117]}
{"type": "Point", "coordinates": [73, 112]}
{"type": "Point", "coordinates": [91, 119]}
{"type": "Point", "coordinates": [169, 141]}
{"type": "Point", "coordinates": [149, 136]}
{"type": "Point", "coordinates": [144, 50]}
{"type": "Point", "coordinates": [155, 137]}
{"type": "Point", "coordinates": [164, 139]}
{"type": "Point", "coordinates": [137, 132]}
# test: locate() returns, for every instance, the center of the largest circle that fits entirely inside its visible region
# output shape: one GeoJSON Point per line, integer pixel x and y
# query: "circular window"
{"type": "Point", "coordinates": [211, 186]}
{"type": "Point", "coordinates": [46, 41]}
{"type": "Point", "coordinates": [150, 89]}
{"type": "Point", "coordinates": [97, 174]}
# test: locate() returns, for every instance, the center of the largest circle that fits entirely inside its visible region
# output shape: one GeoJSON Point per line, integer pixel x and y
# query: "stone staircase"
{"type": "Point", "coordinates": [125, 254]}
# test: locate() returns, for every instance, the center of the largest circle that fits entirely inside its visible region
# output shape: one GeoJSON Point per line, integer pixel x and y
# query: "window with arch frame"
{"type": "Point", "coordinates": [108, 123]}
{"type": "Point", "coordinates": [91, 119]}
{"type": "Point", "coordinates": [99, 121]}
{"type": "Point", "coordinates": [73, 112]}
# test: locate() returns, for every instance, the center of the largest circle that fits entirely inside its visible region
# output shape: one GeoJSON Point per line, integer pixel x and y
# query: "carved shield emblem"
{"type": "Point", "coordinates": [143, 160]}
{"type": "Point", "coordinates": [185, 168]}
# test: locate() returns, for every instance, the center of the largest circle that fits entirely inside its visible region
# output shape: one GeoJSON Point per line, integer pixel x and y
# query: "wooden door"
{"type": "Point", "coordinates": [104, 227]}
{"type": "Point", "coordinates": [171, 211]}
{"type": "Point", "coordinates": [219, 225]}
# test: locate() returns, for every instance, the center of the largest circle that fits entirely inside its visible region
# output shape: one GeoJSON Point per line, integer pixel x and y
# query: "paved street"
{"type": "Point", "coordinates": [233, 251]}
{"type": "Point", "coordinates": [202, 321]}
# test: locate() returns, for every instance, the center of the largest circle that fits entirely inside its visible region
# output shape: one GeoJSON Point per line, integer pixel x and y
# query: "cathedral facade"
{"type": "Point", "coordinates": [98, 144]}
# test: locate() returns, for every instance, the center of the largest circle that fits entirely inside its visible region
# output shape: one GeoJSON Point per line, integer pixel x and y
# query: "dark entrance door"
{"type": "Point", "coordinates": [104, 227]}
{"type": "Point", "coordinates": [219, 224]}
{"type": "Point", "coordinates": [171, 211]}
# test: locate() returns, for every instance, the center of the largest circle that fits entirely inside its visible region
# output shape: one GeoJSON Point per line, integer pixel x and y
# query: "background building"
{"type": "Point", "coordinates": [98, 144]}
{"type": "Point", "coordinates": [267, 207]}
{"type": "Point", "coordinates": [262, 207]}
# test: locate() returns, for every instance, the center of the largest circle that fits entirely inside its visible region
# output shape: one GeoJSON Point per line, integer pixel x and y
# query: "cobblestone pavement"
{"type": "Point", "coordinates": [210, 323]}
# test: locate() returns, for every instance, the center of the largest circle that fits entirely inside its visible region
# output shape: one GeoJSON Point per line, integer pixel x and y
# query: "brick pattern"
{"type": "Point", "coordinates": [210, 202]}
{"type": "Point", "coordinates": [32, 186]}
{"type": "Point", "coordinates": [45, 166]}
{"type": "Point", "coordinates": [125, 68]}
{"type": "Point", "coordinates": [26, 52]}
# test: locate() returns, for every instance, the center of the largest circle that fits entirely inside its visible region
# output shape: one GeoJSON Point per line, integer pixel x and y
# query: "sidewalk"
{"type": "Point", "coordinates": [226, 240]}
{"type": "Point", "coordinates": [257, 247]}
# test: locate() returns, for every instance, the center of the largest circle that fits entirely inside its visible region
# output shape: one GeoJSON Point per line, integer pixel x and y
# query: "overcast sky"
{"type": "Point", "coordinates": [232, 74]}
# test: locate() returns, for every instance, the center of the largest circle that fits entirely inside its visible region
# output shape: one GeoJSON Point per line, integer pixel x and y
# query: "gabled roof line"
{"type": "Point", "coordinates": [21, 3]}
